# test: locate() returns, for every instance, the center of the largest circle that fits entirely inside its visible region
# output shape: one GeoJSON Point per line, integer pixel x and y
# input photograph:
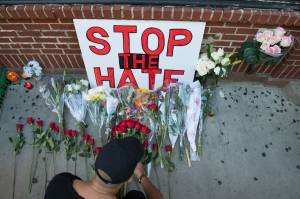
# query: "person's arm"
{"type": "Point", "coordinates": [151, 191]}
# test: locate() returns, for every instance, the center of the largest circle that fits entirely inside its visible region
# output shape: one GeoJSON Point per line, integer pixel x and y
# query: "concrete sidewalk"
{"type": "Point", "coordinates": [251, 147]}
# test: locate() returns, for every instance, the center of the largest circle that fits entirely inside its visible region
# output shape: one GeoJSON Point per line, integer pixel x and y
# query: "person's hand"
{"type": "Point", "coordinates": [139, 170]}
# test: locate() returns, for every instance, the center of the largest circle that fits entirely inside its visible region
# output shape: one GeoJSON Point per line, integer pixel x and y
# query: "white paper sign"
{"type": "Point", "coordinates": [145, 53]}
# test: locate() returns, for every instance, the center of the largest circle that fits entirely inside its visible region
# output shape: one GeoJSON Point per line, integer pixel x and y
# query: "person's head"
{"type": "Point", "coordinates": [117, 161]}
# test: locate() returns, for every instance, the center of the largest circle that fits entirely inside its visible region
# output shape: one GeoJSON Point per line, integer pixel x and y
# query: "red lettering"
{"type": "Point", "coordinates": [91, 37]}
{"type": "Point", "coordinates": [127, 74]}
{"type": "Point", "coordinates": [110, 77]}
{"type": "Point", "coordinates": [138, 61]}
{"type": "Point", "coordinates": [168, 76]}
{"type": "Point", "coordinates": [152, 74]}
{"type": "Point", "coordinates": [125, 30]}
{"type": "Point", "coordinates": [160, 39]}
{"type": "Point", "coordinates": [180, 42]}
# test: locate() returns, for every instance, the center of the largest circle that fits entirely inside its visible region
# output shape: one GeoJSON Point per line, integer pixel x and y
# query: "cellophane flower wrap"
{"type": "Point", "coordinates": [75, 102]}
{"type": "Point", "coordinates": [54, 97]}
{"type": "Point", "coordinates": [193, 114]}
{"type": "Point", "coordinates": [96, 102]}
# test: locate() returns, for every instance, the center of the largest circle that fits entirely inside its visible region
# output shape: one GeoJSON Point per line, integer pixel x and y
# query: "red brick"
{"type": "Point", "coordinates": [137, 12]}
{"type": "Point", "coordinates": [37, 45]}
{"type": "Point", "coordinates": [15, 46]}
{"type": "Point", "coordinates": [255, 17]}
{"type": "Point", "coordinates": [117, 12]}
{"type": "Point", "coordinates": [67, 12]}
{"type": "Point", "coordinates": [210, 23]}
{"type": "Point", "coordinates": [157, 13]}
{"type": "Point", "coordinates": [187, 12]}
{"type": "Point", "coordinates": [45, 21]}
{"type": "Point", "coordinates": [197, 14]}
{"type": "Point", "coordinates": [30, 12]}
{"type": "Point", "coordinates": [147, 11]}
{"type": "Point", "coordinates": [74, 46]}
{"type": "Point", "coordinates": [222, 43]}
{"type": "Point", "coordinates": [38, 9]}
{"type": "Point", "coordinates": [73, 60]}
{"type": "Point", "coordinates": [46, 61]}
{"type": "Point", "coordinates": [79, 60]}
{"type": "Point", "coordinates": [77, 13]}
{"type": "Point", "coordinates": [233, 37]}
{"type": "Point", "coordinates": [49, 11]}
{"type": "Point", "coordinates": [25, 45]}
{"type": "Point", "coordinates": [29, 33]}
{"type": "Point", "coordinates": [62, 46]}
{"type": "Point", "coordinates": [63, 26]}
{"type": "Point", "coordinates": [87, 11]}
{"type": "Point", "coordinates": [217, 14]}
{"type": "Point", "coordinates": [227, 14]}
{"type": "Point", "coordinates": [97, 10]}
{"type": "Point", "coordinates": [245, 25]}
{"type": "Point", "coordinates": [9, 51]}
{"type": "Point", "coordinates": [126, 12]}
{"type": "Point", "coordinates": [49, 45]}
{"type": "Point", "coordinates": [66, 61]}
{"type": "Point", "coordinates": [283, 18]}
{"type": "Point", "coordinates": [3, 46]}
{"type": "Point", "coordinates": [168, 12]}
{"type": "Point", "coordinates": [236, 44]}
{"type": "Point", "coordinates": [21, 11]}
{"type": "Point", "coordinates": [246, 15]}
{"type": "Point", "coordinates": [71, 34]}
{"type": "Point", "coordinates": [72, 51]}
{"type": "Point", "coordinates": [275, 15]}
{"type": "Point", "coordinates": [68, 39]}
{"type": "Point", "coordinates": [12, 26]}
{"type": "Point", "coordinates": [59, 60]}
{"type": "Point", "coordinates": [222, 30]}
{"type": "Point", "coordinates": [31, 51]}
{"type": "Point", "coordinates": [22, 39]}
{"type": "Point", "coordinates": [107, 12]}
{"type": "Point", "coordinates": [4, 40]}
{"type": "Point", "coordinates": [11, 10]}
{"type": "Point", "coordinates": [207, 14]}
{"type": "Point", "coordinates": [3, 12]}
{"type": "Point", "coordinates": [38, 26]}
{"type": "Point", "coordinates": [236, 16]}
{"type": "Point", "coordinates": [52, 60]}
{"type": "Point", "coordinates": [246, 31]}
{"type": "Point", "coordinates": [17, 60]}
{"type": "Point", "coordinates": [7, 33]}
{"type": "Point", "coordinates": [54, 34]}
{"type": "Point", "coordinates": [45, 40]}
{"type": "Point", "coordinates": [52, 51]}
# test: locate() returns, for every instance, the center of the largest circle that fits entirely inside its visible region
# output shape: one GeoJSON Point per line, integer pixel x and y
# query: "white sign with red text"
{"type": "Point", "coordinates": [145, 53]}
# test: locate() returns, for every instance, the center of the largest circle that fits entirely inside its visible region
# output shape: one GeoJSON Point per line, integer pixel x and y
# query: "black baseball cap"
{"type": "Point", "coordinates": [118, 159]}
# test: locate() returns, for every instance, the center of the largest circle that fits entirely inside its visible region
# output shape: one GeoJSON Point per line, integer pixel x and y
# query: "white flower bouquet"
{"type": "Point", "coordinates": [32, 69]}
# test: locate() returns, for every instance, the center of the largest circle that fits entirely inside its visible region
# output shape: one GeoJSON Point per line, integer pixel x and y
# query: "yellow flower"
{"type": "Point", "coordinates": [142, 90]}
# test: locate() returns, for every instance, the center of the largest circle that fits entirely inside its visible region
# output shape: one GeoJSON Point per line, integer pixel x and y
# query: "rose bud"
{"type": "Point", "coordinates": [154, 146]}
{"type": "Point", "coordinates": [91, 142]}
{"type": "Point", "coordinates": [67, 132]}
{"type": "Point", "coordinates": [168, 148]}
{"type": "Point", "coordinates": [152, 107]}
{"type": "Point", "coordinates": [145, 143]}
{"type": "Point", "coordinates": [30, 120]}
{"type": "Point", "coordinates": [86, 137]}
{"type": "Point", "coordinates": [73, 133]}
{"type": "Point", "coordinates": [54, 127]}
{"type": "Point", "coordinates": [130, 124]}
{"type": "Point", "coordinates": [123, 123]}
{"type": "Point", "coordinates": [145, 130]}
{"type": "Point", "coordinates": [40, 123]}
{"type": "Point", "coordinates": [98, 150]}
{"type": "Point", "coordinates": [19, 127]}
{"type": "Point", "coordinates": [138, 126]}
{"type": "Point", "coordinates": [121, 129]}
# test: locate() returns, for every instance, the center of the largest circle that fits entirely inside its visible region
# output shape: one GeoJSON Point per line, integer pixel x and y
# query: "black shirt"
{"type": "Point", "coordinates": [61, 187]}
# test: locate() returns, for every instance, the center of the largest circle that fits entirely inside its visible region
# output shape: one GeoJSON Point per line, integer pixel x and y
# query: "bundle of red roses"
{"type": "Point", "coordinates": [87, 149]}
{"type": "Point", "coordinates": [71, 146]}
{"type": "Point", "coordinates": [133, 128]}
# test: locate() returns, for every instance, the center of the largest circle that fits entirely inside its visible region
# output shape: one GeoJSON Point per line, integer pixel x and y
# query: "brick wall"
{"type": "Point", "coordinates": [46, 32]}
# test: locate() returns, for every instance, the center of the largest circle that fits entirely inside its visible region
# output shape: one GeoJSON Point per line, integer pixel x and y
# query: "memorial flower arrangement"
{"type": "Point", "coordinates": [32, 69]}
{"type": "Point", "coordinates": [18, 143]}
{"type": "Point", "coordinates": [268, 46]}
{"type": "Point", "coordinates": [54, 97]}
{"type": "Point", "coordinates": [74, 93]}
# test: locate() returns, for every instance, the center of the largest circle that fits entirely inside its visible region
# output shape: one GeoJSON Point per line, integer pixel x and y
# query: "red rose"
{"type": "Point", "coordinates": [146, 144]}
{"type": "Point", "coordinates": [86, 137]}
{"type": "Point", "coordinates": [19, 127]}
{"type": "Point", "coordinates": [98, 150]}
{"type": "Point", "coordinates": [168, 148]}
{"type": "Point", "coordinates": [138, 126]}
{"type": "Point", "coordinates": [54, 127]}
{"type": "Point", "coordinates": [67, 132]}
{"type": "Point", "coordinates": [30, 120]}
{"type": "Point", "coordinates": [91, 142]}
{"type": "Point", "coordinates": [130, 123]}
{"type": "Point", "coordinates": [152, 107]}
{"type": "Point", "coordinates": [154, 146]}
{"type": "Point", "coordinates": [73, 133]}
{"type": "Point", "coordinates": [113, 131]}
{"type": "Point", "coordinates": [40, 123]}
{"type": "Point", "coordinates": [145, 130]}
{"type": "Point", "coordinates": [121, 129]}
{"type": "Point", "coordinates": [123, 123]}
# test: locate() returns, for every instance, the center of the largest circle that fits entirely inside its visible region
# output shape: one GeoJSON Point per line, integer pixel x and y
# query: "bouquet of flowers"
{"type": "Point", "coordinates": [32, 69]}
{"type": "Point", "coordinates": [18, 142]}
{"type": "Point", "coordinates": [71, 146]}
{"type": "Point", "coordinates": [95, 99]}
{"type": "Point", "coordinates": [214, 64]}
{"type": "Point", "coordinates": [268, 46]}
{"type": "Point", "coordinates": [74, 100]}
{"type": "Point", "coordinates": [54, 97]}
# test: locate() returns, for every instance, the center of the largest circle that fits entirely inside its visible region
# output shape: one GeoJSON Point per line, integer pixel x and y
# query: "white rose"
{"type": "Point", "coordinates": [28, 71]}
{"type": "Point", "coordinates": [84, 82]}
{"type": "Point", "coordinates": [204, 56]}
{"type": "Point", "coordinates": [279, 31]}
{"type": "Point", "coordinates": [215, 56]}
{"type": "Point", "coordinates": [225, 61]}
{"type": "Point", "coordinates": [220, 52]}
{"type": "Point", "coordinates": [201, 68]}
{"type": "Point", "coordinates": [286, 41]}
{"type": "Point", "coordinates": [210, 64]}
{"type": "Point", "coordinates": [217, 70]}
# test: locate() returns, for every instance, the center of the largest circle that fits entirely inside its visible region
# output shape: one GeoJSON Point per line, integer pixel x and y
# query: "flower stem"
{"type": "Point", "coordinates": [14, 174]}
{"type": "Point", "coordinates": [32, 166]}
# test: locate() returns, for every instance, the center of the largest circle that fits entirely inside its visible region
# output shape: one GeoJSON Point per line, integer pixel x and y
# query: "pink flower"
{"type": "Point", "coordinates": [279, 31]}
{"type": "Point", "coordinates": [19, 127]}
{"type": "Point", "coordinates": [264, 46]}
{"type": "Point", "coordinates": [286, 41]}
{"type": "Point", "coordinates": [30, 120]}
{"type": "Point", "coordinates": [259, 37]}
{"type": "Point", "coordinates": [273, 50]}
